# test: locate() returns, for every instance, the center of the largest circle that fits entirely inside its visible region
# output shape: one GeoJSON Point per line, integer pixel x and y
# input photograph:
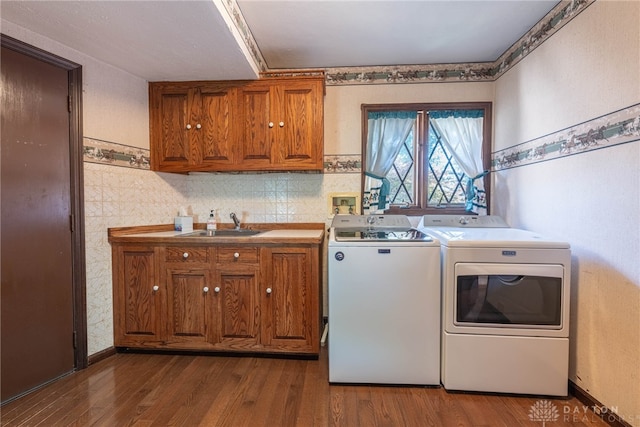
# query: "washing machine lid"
{"type": "Point", "coordinates": [388, 228]}
{"type": "Point", "coordinates": [492, 238]}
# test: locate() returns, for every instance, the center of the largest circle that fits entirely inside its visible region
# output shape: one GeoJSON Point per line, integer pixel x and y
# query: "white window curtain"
{"type": "Point", "coordinates": [461, 132]}
{"type": "Point", "coordinates": [386, 133]}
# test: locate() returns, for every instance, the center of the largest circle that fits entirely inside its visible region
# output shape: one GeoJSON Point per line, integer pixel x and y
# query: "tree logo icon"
{"type": "Point", "coordinates": [543, 410]}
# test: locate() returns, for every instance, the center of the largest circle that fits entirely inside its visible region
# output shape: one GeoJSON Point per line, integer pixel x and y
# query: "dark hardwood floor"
{"type": "Point", "coordinates": [190, 390]}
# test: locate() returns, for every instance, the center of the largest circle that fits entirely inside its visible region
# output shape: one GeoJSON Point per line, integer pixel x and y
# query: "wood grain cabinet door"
{"type": "Point", "coordinates": [138, 296]}
{"type": "Point", "coordinates": [190, 308]}
{"type": "Point", "coordinates": [217, 134]}
{"type": "Point", "coordinates": [170, 115]}
{"type": "Point", "coordinates": [256, 127]}
{"type": "Point", "coordinates": [238, 311]}
{"type": "Point", "coordinates": [299, 133]}
{"type": "Point", "coordinates": [290, 299]}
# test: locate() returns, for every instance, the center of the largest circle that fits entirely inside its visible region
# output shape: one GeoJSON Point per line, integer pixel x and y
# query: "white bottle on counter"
{"type": "Point", "coordinates": [212, 225]}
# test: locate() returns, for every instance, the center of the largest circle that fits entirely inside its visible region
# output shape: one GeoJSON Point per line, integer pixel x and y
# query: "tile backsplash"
{"type": "Point", "coordinates": [133, 195]}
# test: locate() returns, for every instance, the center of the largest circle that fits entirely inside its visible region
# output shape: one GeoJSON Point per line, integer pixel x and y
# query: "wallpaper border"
{"type": "Point", "coordinates": [619, 127]}
{"type": "Point", "coordinates": [342, 163]}
{"type": "Point", "coordinates": [114, 154]}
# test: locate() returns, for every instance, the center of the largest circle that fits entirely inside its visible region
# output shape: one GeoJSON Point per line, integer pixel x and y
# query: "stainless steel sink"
{"type": "Point", "coordinates": [242, 232]}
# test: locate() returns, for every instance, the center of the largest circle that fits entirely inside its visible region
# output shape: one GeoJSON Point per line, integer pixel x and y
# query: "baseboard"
{"type": "Point", "coordinates": [101, 355]}
{"type": "Point", "coordinates": [600, 410]}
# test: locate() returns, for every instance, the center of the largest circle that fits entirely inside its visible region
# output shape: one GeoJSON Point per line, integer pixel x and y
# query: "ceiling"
{"type": "Point", "coordinates": [207, 39]}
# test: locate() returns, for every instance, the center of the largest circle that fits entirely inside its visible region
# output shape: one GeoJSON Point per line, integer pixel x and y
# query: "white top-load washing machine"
{"type": "Point", "coordinates": [384, 302]}
{"type": "Point", "coordinates": [505, 306]}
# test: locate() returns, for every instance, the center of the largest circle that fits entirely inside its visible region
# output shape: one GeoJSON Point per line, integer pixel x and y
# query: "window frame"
{"type": "Point", "coordinates": [422, 159]}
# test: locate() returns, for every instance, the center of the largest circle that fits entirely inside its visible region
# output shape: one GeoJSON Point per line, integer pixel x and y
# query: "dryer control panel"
{"type": "Point", "coordinates": [471, 221]}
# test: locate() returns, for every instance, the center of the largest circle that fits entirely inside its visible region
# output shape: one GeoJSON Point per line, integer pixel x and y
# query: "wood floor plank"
{"type": "Point", "coordinates": [145, 390]}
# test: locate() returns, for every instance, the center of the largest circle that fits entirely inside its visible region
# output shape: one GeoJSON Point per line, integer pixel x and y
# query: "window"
{"type": "Point", "coordinates": [415, 157]}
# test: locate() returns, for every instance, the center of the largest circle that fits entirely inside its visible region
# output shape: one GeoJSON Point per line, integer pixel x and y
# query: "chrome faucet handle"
{"type": "Point", "coordinates": [236, 221]}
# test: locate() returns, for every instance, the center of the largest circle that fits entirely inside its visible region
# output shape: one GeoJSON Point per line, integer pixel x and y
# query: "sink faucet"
{"type": "Point", "coordinates": [236, 221]}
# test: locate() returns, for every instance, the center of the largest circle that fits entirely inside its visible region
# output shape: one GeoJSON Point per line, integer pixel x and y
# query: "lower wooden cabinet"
{"type": "Point", "coordinates": [290, 314]}
{"type": "Point", "coordinates": [189, 308]}
{"type": "Point", "coordinates": [238, 307]}
{"type": "Point", "coordinates": [217, 298]}
{"type": "Point", "coordinates": [137, 297]}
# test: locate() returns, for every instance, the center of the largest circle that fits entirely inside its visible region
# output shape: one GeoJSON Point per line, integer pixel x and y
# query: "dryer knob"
{"type": "Point", "coordinates": [463, 220]}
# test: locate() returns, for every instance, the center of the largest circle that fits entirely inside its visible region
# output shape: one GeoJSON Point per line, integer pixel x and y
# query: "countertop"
{"type": "Point", "coordinates": [311, 233]}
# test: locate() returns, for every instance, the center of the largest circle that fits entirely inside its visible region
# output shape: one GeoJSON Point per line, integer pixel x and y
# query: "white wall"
{"type": "Point", "coordinates": [343, 114]}
{"type": "Point", "coordinates": [591, 67]}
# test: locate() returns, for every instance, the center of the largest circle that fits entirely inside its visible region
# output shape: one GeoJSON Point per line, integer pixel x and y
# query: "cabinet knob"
{"type": "Point", "coordinates": [216, 289]}
{"type": "Point", "coordinates": [270, 124]}
{"type": "Point", "coordinates": [281, 124]}
{"type": "Point", "coordinates": [268, 290]}
{"type": "Point", "coordinates": [155, 288]}
{"type": "Point", "coordinates": [188, 126]}
{"type": "Point", "coordinates": [198, 126]}
{"type": "Point", "coordinates": [205, 289]}
{"type": "Point", "coordinates": [185, 255]}
{"type": "Point", "coordinates": [236, 255]}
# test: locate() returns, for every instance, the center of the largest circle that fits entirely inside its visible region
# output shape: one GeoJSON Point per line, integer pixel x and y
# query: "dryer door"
{"type": "Point", "coordinates": [507, 296]}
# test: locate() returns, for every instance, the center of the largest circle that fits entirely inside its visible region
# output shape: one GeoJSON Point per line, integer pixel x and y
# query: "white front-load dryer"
{"type": "Point", "coordinates": [505, 307]}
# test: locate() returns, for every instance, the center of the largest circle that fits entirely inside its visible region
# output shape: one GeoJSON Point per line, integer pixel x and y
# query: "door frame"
{"type": "Point", "coordinates": [74, 72]}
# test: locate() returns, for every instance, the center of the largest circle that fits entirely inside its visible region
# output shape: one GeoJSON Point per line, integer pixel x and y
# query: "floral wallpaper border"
{"type": "Point", "coordinates": [618, 127]}
{"type": "Point", "coordinates": [237, 18]}
{"type": "Point", "coordinates": [114, 154]}
{"type": "Point", "coordinates": [342, 163]}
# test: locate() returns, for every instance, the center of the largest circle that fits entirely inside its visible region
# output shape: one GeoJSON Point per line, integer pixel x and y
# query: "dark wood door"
{"type": "Point", "coordinates": [37, 255]}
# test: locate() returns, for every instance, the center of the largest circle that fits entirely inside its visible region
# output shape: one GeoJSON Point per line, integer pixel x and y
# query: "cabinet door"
{"type": "Point", "coordinates": [257, 127]}
{"type": "Point", "coordinates": [217, 137]}
{"type": "Point", "coordinates": [291, 298]}
{"type": "Point", "coordinates": [190, 309]}
{"type": "Point", "coordinates": [238, 311]}
{"type": "Point", "coordinates": [138, 297]}
{"type": "Point", "coordinates": [283, 125]}
{"type": "Point", "coordinates": [300, 125]}
{"type": "Point", "coordinates": [170, 110]}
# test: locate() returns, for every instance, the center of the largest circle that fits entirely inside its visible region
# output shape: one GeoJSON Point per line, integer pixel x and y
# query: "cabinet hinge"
{"type": "Point", "coordinates": [75, 339]}
{"type": "Point", "coordinates": [71, 223]}
{"type": "Point", "coordinates": [69, 103]}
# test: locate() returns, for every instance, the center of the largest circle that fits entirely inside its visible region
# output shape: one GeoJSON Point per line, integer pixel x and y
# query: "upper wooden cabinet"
{"type": "Point", "coordinates": [282, 124]}
{"type": "Point", "coordinates": [191, 126]}
{"type": "Point", "coordinates": [274, 124]}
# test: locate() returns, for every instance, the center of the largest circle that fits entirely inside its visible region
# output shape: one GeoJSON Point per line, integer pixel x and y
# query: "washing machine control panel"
{"type": "Point", "coordinates": [371, 221]}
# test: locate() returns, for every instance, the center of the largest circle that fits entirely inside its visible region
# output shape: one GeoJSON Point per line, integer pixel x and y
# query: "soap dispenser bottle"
{"type": "Point", "coordinates": [211, 222]}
